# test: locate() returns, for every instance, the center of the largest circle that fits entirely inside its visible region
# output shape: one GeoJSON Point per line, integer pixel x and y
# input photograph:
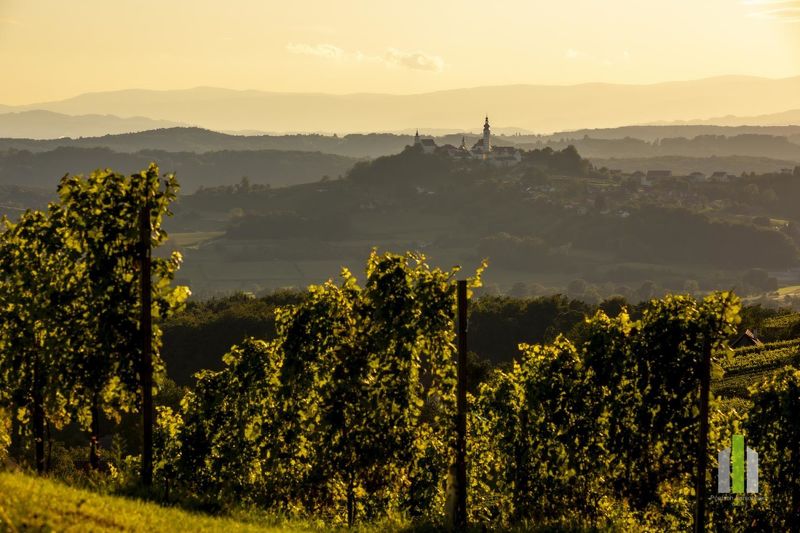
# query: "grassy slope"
{"type": "Point", "coordinates": [28, 503]}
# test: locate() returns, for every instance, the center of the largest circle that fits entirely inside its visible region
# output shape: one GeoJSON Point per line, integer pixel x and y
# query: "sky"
{"type": "Point", "coordinates": [52, 49]}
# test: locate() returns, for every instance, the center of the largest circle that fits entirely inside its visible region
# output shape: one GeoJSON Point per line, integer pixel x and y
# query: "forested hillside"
{"type": "Point", "coordinates": [555, 215]}
{"type": "Point", "coordinates": [200, 140]}
{"type": "Point", "coordinates": [266, 167]}
{"type": "Point", "coordinates": [549, 221]}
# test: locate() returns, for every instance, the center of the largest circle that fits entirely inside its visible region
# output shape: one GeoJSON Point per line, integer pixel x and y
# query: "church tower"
{"type": "Point", "coordinates": [487, 136]}
{"type": "Point", "coordinates": [416, 138]}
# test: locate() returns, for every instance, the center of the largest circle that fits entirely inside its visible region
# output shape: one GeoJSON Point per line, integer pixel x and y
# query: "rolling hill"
{"type": "Point", "coordinates": [38, 124]}
{"type": "Point", "coordinates": [684, 165]}
{"type": "Point", "coordinates": [652, 141]}
{"type": "Point", "coordinates": [199, 140]}
{"type": "Point", "coordinates": [273, 167]}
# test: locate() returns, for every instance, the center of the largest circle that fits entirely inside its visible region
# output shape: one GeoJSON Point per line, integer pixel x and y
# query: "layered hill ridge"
{"type": "Point", "coordinates": [541, 108]}
{"type": "Point", "coordinates": [744, 149]}
{"type": "Point", "coordinates": [40, 124]}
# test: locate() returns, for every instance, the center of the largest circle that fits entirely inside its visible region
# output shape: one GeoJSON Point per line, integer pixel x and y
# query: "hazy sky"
{"type": "Point", "coordinates": [53, 49]}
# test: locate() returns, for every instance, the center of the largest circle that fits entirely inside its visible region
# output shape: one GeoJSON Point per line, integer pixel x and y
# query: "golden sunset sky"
{"type": "Point", "coordinates": [53, 49]}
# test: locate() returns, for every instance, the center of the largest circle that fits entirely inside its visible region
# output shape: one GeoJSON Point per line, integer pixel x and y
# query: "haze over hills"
{"type": "Point", "coordinates": [199, 140]}
{"type": "Point", "coordinates": [684, 165]}
{"type": "Point", "coordinates": [783, 118]}
{"type": "Point", "coordinates": [39, 124]}
{"type": "Point", "coordinates": [212, 168]}
{"type": "Point", "coordinates": [652, 133]}
{"type": "Point", "coordinates": [685, 148]}
{"type": "Point", "coordinates": [541, 108]}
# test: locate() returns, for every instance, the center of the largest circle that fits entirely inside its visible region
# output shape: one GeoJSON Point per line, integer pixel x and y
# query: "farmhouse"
{"type": "Point", "coordinates": [748, 338]}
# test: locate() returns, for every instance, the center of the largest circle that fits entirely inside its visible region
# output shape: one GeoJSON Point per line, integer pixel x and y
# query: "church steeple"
{"type": "Point", "coordinates": [487, 136]}
{"type": "Point", "coordinates": [416, 138]}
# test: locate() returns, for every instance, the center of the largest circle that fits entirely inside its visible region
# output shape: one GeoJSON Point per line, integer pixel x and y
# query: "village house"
{"type": "Point", "coordinates": [697, 176]}
{"type": "Point", "coordinates": [719, 176]}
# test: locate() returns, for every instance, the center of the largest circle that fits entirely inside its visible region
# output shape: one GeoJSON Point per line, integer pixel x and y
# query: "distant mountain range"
{"type": "Point", "coordinates": [540, 108]}
{"type": "Point", "coordinates": [39, 124]}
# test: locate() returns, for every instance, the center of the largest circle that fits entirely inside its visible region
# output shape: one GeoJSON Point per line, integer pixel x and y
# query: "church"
{"type": "Point", "coordinates": [482, 149]}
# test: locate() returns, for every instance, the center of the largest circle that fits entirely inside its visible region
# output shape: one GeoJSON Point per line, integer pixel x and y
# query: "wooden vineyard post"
{"type": "Point", "coordinates": [460, 521]}
{"type": "Point", "coordinates": [146, 325]}
{"type": "Point", "coordinates": [38, 417]}
{"type": "Point", "coordinates": [702, 444]}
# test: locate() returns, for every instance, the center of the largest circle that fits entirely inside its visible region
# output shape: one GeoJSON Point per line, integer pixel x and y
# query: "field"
{"type": "Point", "coordinates": [193, 239]}
{"type": "Point", "coordinates": [789, 291]}
{"type": "Point", "coordinates": [783, 297]}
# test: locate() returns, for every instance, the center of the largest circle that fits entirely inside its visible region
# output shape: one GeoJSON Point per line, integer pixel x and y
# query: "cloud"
{"type": "Point", "coordinates": [11, 21]}
{"type": "Point", "coordinates": [391, 58]}
{"type": "Point", "coordinates": [787, 14]}
{"type": "Point", "coordinates": [782, 10]}
{"type": "Point", "coordinates": [414, 60]}
{"type": "Point", "coordinates": [327, 51]}
{"type": "Point", "coordinates": [767, 2]}
{"type": "Point", "coordinates": [572, 54]}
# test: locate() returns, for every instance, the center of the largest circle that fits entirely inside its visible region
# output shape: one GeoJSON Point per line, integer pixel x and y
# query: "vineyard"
{"type": "Point", "coordinates": [782, 326]}
{"type": "Point", "coordinates": [782, 321]}
{"type": "Point", "coordinates": [748, 366]}
{"type": "Point", "coordinates": [349, 414]}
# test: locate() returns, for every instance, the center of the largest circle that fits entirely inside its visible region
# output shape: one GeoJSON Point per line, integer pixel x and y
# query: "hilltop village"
{"type": "Point", "coordinates": [483, 149]}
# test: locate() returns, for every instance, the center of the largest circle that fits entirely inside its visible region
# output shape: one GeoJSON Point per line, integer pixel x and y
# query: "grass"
{"type": "Point", "coordinates": [34, 504]}
{"type": "Point", "coordinates": [31, 503]}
